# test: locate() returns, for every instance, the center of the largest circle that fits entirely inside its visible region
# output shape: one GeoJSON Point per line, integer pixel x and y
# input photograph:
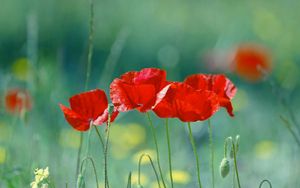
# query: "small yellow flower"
{"type": "Point", "coordinates": [40, 175]}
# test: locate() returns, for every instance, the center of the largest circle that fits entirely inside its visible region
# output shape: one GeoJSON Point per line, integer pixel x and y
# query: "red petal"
{"type": "Point", "coordinates": [16, 100]}
{"type": "Point", "coordinates": [219, 84]}
{"type": "Point", "coordinates": [90, 104]}
{"type": "Point", "coordinates": [252, 61]}
{"type": "Point", "coordinates": [104, 117]}
{"type": "Point", "coordinates": [75, 120]}
{"type": "Point", "coordinates": [137, 89]}
{"type": "Point", "coordinates": [184, 102]}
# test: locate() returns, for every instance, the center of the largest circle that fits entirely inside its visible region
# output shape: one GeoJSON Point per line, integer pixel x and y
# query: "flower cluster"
{"type": "Point", "coordinates": [197, 98]}
{"type": "Point", "coordinates": [40, 176]}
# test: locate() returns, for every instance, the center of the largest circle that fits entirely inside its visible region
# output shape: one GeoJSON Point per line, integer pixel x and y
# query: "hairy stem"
{"type": "Point", "coordinates": [88, 71]}
{"type": "Point", "coordinates": [156, 147]}
{"type": "Point", "coordinates": [212, 153]}
{"type": "Point", "coordinates": [153, 167]}
{"type": "Point", "coordinates": [100, 137]}
{"type": "Point", "coordinates": [195, 154]}
{"type": "Point", "coordinates": [94, 168]}
{"type": "Point", "coordinates": [235, 165]}
{"type": "Point", "coordinates": [169, 152]}
{"type": "Point", "coordinates": [78, 154]}
{"type": "Point", "coordinates": [106, 152]}
{"type": "Point", "coordinates": [265, 181]}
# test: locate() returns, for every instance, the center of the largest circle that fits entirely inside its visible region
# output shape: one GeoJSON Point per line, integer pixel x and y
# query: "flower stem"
{"type": "Point", "coordinates": [100, 137]}
{"type": "Point", "coordinates": [88, 72]}
{"type": "Point", "coordinates": [156, 147]}
{"type": "Point", "coordinates": [235, 165]}
{"type": "Point", "coordinates": [129, 180]}
{"type": "Point", "coordinates": [153, 167]}
{"type": "Point", "coordinates": [105, 153]}
{"type": "Point", "coordinates": [169, 152]}
{"type": "Point", "coordinates": [78, 154]}
{"type": "Point", "coordinates": [212, 152]}
{"type": "Point", "coordinates": [90, 45]}
{"type": "Point", "coordinates": [94, 168]}
{"type": "Point", "coordinates": [267, 181]}
{"type": "Point", "coordinates": [195, 153]}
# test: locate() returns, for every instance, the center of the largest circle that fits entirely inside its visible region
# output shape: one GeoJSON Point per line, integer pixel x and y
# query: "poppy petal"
{"type": "Point", "coordinates": [184, 102]}
{"type": "Point", "coordinates": [219, 84]}
{"type": "Point", "coordinates": [104, 117]}
{"type": "Point", "coordinates": [252, 62]}
{"type": "Point", "coordinates": [90, 104]}
{"type": "Point", "coordinates": [74, 119]}
{"type": "Point", "coordinates": [16, 100]}
{"type": "Point", "coordinates": [137, 89]}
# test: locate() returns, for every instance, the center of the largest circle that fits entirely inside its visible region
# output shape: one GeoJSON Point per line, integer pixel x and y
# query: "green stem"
{"type": "Point", "coordinates": [195, 154]}
{"type": "Point", "coordinates": [169, 152]}
{"type": "Point", "coordinates": [153, 167]}
{"type": "Point", "coordinates": [267, 181]}
{"type": "Point", "coordinates": [78, 154]}
{"type": "Point", "coordinates": [129, 180]}
{"type": "Point", "coordinates": [88, 72]}
{"type": "Point", "coordinates": [94, 168]}
{"type": "Point", "coordinates": [212, 152]}
{"type": "Point", "coordinates": [156, 147]}
{"type": "Point", "coordinates": [100, 137]}
{"type": "Point", "coordinates": [233, 179]}
{"type": "Point", "coordinates": [235, 165]}
{"type": "Point", "coordinates": [91, 45]}
{"type": "Point", "coordinates": [106, 152]}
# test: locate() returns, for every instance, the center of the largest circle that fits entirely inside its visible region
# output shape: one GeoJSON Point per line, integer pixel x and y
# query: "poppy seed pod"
{"type": "Point", "coordinates": [111, 109]}
{"type": "Point", "coordinates": [224, 167]}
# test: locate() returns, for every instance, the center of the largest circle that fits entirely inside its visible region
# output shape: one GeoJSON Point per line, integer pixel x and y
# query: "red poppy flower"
{"type": "Point", "coordinates": [251, 62]}
{"type": "Point", "coordinates": [17, 100]}
{"type": "Point", "coordinates": [186, 103]}
{"type": "Point", "coordinates": [219, 84]}
{"type": "Point", "coordinates": [86, 108]}
{"type": "Point", "coordinates": [137, 89]}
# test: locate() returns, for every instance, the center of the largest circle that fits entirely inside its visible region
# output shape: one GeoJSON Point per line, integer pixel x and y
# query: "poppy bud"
{"type": "Point", "coordinates": [80, 182]}
{"type": "Point", "coordinates": [110, 109]}
{"type": "Point", "coordinates": [224, 167]}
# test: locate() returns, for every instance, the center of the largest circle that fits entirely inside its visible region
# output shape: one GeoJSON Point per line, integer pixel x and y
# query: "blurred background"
{"type": "Point", "coordinates": [43, 51]}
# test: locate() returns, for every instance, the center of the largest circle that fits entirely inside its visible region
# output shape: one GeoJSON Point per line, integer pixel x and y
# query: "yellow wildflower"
{"type": "Point", "coordinates": [40, 175]}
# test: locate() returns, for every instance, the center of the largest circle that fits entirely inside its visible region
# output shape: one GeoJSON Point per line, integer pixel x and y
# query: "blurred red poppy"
{"type": "Point", "coordinates": [87, 108]}
{"type": "Point", "coordinates": [186, 103]}
{"type": "Point", "coordinates": [219, 84]}
{"type": "Point", "coordinates": [17, 100]}
{"type": "Point", "coordinates": [252, 62]}
{"type": "Point", "coordinates": [137, 89]}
